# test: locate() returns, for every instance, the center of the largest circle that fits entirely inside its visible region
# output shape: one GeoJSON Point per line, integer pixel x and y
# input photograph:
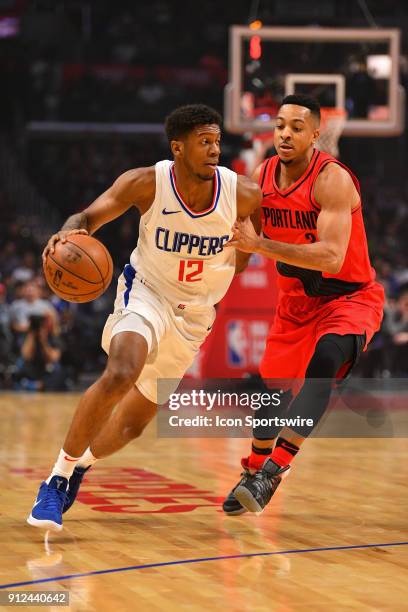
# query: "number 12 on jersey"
{"type": "Point", "coordinates": [195, 266]}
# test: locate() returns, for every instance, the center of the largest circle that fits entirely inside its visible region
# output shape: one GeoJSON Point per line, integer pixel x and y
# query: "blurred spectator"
{"type": "Point", "coordinates": [4, 314]}
{"type": "Point", "coordinates": [28, 305]}
{"type": "Point", "coordinates": [386, 275]}
{"type": "Point", "coordinates": [39, 363]}
{"type": "Point", "coordinates": [9, 258]}
{"type": "Point", "coordinates": [398, 330]}
{"type": "Point", "coordinates": [6, 338]}
{"type": "Point", "coordinates": [25, 271]}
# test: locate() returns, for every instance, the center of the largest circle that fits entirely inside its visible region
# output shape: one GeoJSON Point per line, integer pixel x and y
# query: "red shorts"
{"type": "Point", "coordinates": [300, 322]}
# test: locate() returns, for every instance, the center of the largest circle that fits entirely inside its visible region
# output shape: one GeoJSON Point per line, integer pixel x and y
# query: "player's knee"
{"type": "Point", "coordinates": [326, 360]}
{"type": "Point", "coordinates": [130, 431]}
{"type": "Point", "coordinates": [120, 377]}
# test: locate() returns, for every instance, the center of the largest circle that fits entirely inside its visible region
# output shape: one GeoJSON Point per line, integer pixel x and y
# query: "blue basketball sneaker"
{"type": "Point", "coordinates": [73, 486]}
{"type": "Point", "coordinates": [47, 509]}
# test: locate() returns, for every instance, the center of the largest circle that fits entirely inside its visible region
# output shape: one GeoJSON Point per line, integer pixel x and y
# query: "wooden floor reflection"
{"type": "Point", "coordinates": [152, 512]}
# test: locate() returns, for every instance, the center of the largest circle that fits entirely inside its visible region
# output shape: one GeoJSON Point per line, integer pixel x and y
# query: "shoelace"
{"type": "Point", "coordinates": [263, 483]}
{"type": "Point", "coordinates": [54, 499]}
{"type": "Point", "coordinates": [245, 475]}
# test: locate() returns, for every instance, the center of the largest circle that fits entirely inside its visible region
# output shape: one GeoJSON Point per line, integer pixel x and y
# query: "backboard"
{"type": "Point", "coordinates": [352, 68]}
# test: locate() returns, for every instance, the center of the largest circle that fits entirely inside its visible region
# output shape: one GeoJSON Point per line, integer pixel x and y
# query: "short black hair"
{"type": "Point", "coordinates": [301, 100]}
{"type": "Point", "coordinates": [185, 118]}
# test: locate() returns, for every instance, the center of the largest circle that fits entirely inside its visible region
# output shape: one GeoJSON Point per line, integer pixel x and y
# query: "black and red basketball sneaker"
{"type": "Point", "coordinates": [255, 493]}
{"type": "Point", "coordinates": [231, 505]}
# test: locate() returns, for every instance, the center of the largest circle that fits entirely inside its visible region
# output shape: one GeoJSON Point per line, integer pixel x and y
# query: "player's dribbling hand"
{"type": "Point", "coordinates": [61, 235]}
{"type": "Point", "coordinates": [244, 237]}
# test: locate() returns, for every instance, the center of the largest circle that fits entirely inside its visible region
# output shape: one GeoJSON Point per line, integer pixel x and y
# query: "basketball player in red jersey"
{"type": "Point", "coordinates": [329, 302]}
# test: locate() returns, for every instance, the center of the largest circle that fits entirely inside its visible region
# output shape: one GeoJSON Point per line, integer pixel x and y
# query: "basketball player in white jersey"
{"type": "Point", "coordinates": [164, 307]}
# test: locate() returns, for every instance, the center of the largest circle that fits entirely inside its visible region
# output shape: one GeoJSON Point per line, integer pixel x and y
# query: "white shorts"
{"type": "Point", "coordinates": [173, 336]}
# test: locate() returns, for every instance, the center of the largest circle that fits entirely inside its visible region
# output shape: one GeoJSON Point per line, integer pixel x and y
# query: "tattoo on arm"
{"type": "Point", "coordinates": [78, 221]}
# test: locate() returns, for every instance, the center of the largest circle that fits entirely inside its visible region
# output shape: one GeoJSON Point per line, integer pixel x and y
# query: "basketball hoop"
{"type": "Point", "coordinates": [332, 123]}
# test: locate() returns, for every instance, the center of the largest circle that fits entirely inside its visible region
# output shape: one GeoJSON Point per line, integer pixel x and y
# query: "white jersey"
{"type": "Point", "coordinates": [180, 253]}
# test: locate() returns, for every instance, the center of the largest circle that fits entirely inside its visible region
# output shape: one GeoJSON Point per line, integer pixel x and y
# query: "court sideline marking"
{"type": "Point", "coordinates": [198, 560]}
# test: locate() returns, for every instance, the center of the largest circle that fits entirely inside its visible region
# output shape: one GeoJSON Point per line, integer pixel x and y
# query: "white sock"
{"type": "Point", "coordinates": [87, 459]}
{"type": "Point", "coordinates": [64, 466]}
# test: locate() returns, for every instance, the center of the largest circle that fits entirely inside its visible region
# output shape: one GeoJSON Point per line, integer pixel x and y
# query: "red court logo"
{"type": "Point", "coordinates": [135, 491]}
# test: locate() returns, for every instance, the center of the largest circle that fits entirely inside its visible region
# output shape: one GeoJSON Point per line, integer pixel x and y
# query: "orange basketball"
{"type": "Point", "coordinates": [79, 270]}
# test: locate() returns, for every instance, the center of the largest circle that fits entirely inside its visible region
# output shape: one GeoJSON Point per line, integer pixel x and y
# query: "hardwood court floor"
{"type": "Point", "coordinates": [148, 520]}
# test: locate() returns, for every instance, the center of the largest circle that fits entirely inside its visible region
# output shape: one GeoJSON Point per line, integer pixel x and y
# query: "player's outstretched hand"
{"type": "Point", "coordinates": [244, 236]}
{"type": "Point", "coordinates": [61, 235]}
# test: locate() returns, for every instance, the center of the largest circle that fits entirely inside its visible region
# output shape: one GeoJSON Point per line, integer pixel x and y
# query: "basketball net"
{"type": "Point", "coordinates": [331, 127]}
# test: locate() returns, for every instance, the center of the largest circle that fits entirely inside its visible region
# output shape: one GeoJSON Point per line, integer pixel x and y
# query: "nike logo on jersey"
{"type": "Point", "coordinates": [170, 212]}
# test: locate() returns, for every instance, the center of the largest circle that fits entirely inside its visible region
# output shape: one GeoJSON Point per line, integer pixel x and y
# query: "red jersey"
{"type": "Point", "coordinates": [291, 216]}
